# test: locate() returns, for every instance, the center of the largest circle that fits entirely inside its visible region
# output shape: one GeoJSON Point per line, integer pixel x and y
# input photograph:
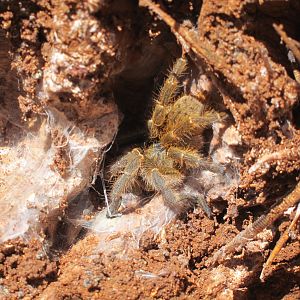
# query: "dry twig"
{"type": "Point", "coordinates": [261, 223]}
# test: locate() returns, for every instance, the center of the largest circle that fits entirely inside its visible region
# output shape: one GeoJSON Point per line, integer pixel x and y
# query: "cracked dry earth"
{"type": "Point", "coordinates": [256, 87]}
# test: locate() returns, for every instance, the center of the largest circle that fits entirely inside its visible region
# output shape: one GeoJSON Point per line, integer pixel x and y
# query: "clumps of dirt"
{"type": "Point", "coordinates": [261, 93]}
{"type": "Point", "coordinates": [64, 56]}
{"type": "Point", "coordinates": [163, 268]}
{"type": "Point", "coordinates": [10, 121]}
{"type": "Point", "coordinates": [171, 266]}
{"type": "Point", "coordinates": [57, 111]}
{"type": "Point", "coordinates": [78, 61]}
{"type": "Point", "coordinates": [25, 269]}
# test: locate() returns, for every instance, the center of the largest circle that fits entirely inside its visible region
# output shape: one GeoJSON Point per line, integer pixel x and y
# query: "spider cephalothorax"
{"type": "Point", "coordinates": [175, 131]}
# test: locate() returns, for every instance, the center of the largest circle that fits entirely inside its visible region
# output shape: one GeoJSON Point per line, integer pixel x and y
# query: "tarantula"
{"type": "Point", "coordinates": [175, 131]}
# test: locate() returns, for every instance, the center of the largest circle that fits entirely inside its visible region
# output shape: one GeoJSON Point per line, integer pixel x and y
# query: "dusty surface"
{"type": "Point", "coordinates": [129, 48]}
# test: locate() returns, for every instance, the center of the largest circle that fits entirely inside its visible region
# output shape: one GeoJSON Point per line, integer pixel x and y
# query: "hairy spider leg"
{"type": "Point", "coordinates": [171, 198]}
{"type": "Point", "coordinates": [185, 157]}
{"type": "Point", "coordinates": [201, 201]}
{"type": "Point", "coordinates": [197, 197]}
{"type": "Point", "coordinates": [185, 106]}
{"type": "Point", "coordinates": [118, 167]}
{"type": "Point", "coordinates": [160, 174]}
{"type": "Point", "coordinates": [191, 106]}
{"type": "Point", "coordinates": [166, 96]}
{"type": "Point", "coordinates": [128, 178]}
{"type": "Point", "coordinates": [171, 85]}
{"type": "Point", "coordinates": [209, 117]}
{"type": "Point", "coordinates": [194, 191]}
